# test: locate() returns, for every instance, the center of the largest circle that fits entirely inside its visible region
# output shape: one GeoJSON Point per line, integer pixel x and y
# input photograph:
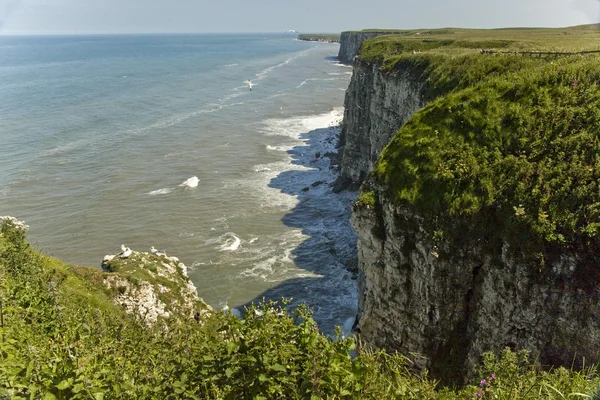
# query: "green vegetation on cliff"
{"type": "Point", "coordinates": [320, 37]}
{"type": "Point", "coordinates": [62, 337]}
{"type": "Point", "coordinates": [508, 141]}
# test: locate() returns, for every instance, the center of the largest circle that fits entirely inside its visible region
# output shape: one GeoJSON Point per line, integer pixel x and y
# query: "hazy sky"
{"type": "Point", "coordinates": [161, 16]}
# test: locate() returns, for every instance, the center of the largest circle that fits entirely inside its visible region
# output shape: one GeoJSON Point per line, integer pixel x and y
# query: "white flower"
{"type": "Point", "coordinates": [20, 225]}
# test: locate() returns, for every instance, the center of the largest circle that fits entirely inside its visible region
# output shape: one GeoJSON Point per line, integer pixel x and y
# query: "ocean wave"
{"type": "Point", "coordinates": [232, 242]}
{"type": "Point", "coordinates": [342, 65]}
{"type": "Point", "coordinates": [304, 82]}
{"type": "Point", "coordinates": [262, 269]}
{"type": "Point", "coordinates": [295, 126]}
{"type": "Point", "coordinates": [261, 169]}
{"type": "Point", "coordinates": [160, 191]}
{"type": "Point", "coordinates": [190, 182]}
{"type": "Point", "coordinates": [278, 148]}
{"type": "Point", "coordinates": [265, 72]}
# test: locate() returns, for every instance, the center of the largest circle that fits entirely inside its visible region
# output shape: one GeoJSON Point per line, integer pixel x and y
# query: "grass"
{"type": "Point", "coordinates": [572, 39]}
{"type": "Point", "coordinates": [506, 140]}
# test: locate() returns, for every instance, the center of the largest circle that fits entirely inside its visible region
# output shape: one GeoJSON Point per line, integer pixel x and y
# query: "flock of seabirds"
{"type": "Point", "coordinates": [126, 251]}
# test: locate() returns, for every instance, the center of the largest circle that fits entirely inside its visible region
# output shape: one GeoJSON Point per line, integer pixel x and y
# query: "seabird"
{"type": "Point", "coordinates": [126, 253]}
{"type": "Point", "coordinates": [153, 250]}
{"type": "Point", "coordinates": [234, 311]}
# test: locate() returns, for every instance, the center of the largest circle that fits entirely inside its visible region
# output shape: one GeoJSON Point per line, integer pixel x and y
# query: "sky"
{"type": "Point", "coordinates": [309, 16]}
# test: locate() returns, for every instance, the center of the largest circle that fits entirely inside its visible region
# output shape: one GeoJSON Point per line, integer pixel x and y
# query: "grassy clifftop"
{"type": "Point", "coordinates": [508, 141]}
{"type": "Point", "coordinates": [570, 39]}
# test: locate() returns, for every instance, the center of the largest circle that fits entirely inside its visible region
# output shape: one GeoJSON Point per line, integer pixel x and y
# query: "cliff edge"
{"type": "Point", "coordinates": [477, 224]}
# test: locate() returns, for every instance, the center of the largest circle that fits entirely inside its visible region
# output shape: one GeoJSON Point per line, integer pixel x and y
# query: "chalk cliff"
{"type": "Point", "coordinates": [350, 44]}
{"type": "Point", "coordinates": [451, 299]}
{"type": "Point", "coordinates": [451, 304]}
{"type": "Point", "coordinates": [376, 105]}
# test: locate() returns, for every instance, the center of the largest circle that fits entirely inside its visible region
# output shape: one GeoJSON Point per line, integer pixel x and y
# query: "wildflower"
{"type": "Point", "coordinates": [482, 383]}
{"type": "Point", "coordinates": [479, 394]}
{"type": "Point", "coordinates": [12, 221]}
{"type": "Point", "coordinates": [492, 377]}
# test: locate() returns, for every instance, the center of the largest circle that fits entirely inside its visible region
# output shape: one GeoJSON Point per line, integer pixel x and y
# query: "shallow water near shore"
{"type": "Point", "coordinates": [157, 140]}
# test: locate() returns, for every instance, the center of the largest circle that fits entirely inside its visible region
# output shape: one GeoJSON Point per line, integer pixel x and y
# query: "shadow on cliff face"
{"type": "Point", "coordinates": [323, 280]}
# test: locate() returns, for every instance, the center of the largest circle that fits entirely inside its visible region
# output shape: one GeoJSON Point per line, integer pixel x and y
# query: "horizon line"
{"type": "Point", "coordinates": [158, 33]}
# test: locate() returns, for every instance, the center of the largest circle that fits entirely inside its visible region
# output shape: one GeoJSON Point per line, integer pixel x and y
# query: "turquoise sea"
{"type": "Point", "coordinates": [101, 138]}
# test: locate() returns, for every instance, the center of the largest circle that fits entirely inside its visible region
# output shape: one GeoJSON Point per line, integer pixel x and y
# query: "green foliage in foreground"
{"type": "Point", "coordinates": [55, 344]}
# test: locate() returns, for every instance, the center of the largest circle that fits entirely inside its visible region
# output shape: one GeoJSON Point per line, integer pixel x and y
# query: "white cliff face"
{"type": "Point", "coordinates": [377, 104]}
{"type": "Point", "coordinates": [350, 43]}
{"type": "Point", "coordinates": [452, 303]}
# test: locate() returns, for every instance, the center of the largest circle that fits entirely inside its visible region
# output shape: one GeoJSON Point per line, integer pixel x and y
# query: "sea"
{"type": "Point", "coordinates": [213, 147]}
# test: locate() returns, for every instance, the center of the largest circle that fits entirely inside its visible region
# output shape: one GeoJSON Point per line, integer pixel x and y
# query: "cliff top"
{"type": "Point", "coordinates": [451, 41]}
{"type": "Point", "coordinates": [509, 140]}
{"type": "Point", "coordinates": [574, 38]}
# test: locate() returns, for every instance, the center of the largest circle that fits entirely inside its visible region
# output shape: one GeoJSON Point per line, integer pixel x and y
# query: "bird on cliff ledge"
{"type": "Point", "coordinates": [126, 252]}
{"type": "Point", "coordinates": [153, 250]}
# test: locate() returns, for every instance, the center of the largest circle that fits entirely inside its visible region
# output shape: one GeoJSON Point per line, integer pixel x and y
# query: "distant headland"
{"type": "Point", "coordinates": [320, 37]}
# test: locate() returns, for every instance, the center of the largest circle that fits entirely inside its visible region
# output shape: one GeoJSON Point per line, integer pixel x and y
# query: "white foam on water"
{"type": "Point", "coordinates": [262, 269]}
{"type": "Point", "coordinates": [190, 182]}
{"type": "Point", "coordinates": [257, 184]}
{"type": "Point", "coordinates": [261, 169]}
{"type": "Point", "coordinates": [326, 239]}
{"type": "Point", "coordinates": [278, 148]}
{"type": "Point", "coordinates": [232, 242]}
{"type": "Point", "coordinates": [295, 126]}
{"type": "Point", "coordinates": [160, 191]}
{"type": "Point", "coordinates": [302, 83]}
